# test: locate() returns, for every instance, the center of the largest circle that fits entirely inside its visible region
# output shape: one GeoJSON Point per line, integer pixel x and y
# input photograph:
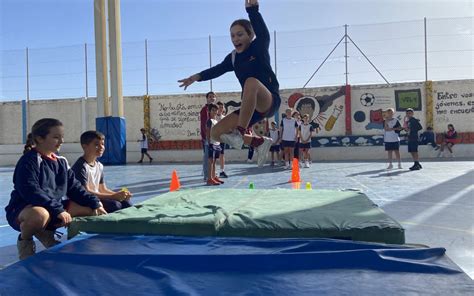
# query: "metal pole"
{"type": "Point", "coordinates": [368, 59]}
{"type": "Point", "coordinates": [85, 63]}
{"type": "Point", "coordinates": [27, 78]}
{"type": "Point", "coordinates": [27, 90]}
{"type": "Point", "coordinates": [426, 53]}
{"type": "Point", "coordinates": [146, 65]}
{"type": "Point", "coordinates": [275, 49]}
{"type": "Point", "coordinates": [323, 62]}
{"type": "Point", "coordinates": [210, 58]}
{"type": "Point", "coordinates": [345, 55]}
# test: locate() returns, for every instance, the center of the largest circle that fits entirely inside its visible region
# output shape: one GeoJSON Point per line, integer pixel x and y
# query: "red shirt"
{"type": "Point", "coordinates": [204, 115]}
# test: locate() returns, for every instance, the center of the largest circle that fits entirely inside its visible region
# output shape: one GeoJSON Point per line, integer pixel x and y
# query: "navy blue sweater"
{"type": "Point", "coordinates": [253, 62]}
{"type": "Point", "coordinates": [40, 181]}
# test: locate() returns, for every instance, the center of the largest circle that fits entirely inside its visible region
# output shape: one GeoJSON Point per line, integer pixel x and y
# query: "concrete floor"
{"type": "Point", "coordinates": [435, 205]}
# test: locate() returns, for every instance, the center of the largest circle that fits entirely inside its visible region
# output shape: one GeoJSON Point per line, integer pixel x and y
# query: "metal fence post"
{"type": "Point", "coordinates": [426, 52]}
{"type": "Point", "coordinates": [146, 66]}
{"type": "Point", "coordinates": [210, 58]}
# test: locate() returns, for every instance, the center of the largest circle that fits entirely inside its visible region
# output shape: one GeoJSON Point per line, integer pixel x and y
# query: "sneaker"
{"type": "Point", "coordinates": [272, 164]}
{"type": "Point", "coordinates": [415, 167]}
{"type": "Point", "coordinates": [46, 237]}
{"type": "Point", "coordinates": [211, 182]}
{"type": "Point", "coordinates": [249, 161]}
{"type": "Point", "coordinates": [419, 165]}
{"type": "Point", "coordinates": [233, 139]}
{"type": "Point", "coordinates": [306, 164]}
{"type": "Point", "coordinates": [263, 150]}
{"type": "Point", "coordinates": [151, 159]}
{"type": "Point", "coordinates": [223, 175]}
{"type": "Point", "coordinates": [218, 180]}
{"type": "Point", "coordinates": [26, 247]}
{"type": "Point", "coordinates": [399, 166]}
{"type": "Point", "coordinates": [140, 161]}
{"type": "Point", "coordinates": [390, 166]}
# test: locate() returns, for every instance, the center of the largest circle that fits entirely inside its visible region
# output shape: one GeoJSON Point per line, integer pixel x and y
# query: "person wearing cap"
{"type": "Point", "coordinates": [413, 126]}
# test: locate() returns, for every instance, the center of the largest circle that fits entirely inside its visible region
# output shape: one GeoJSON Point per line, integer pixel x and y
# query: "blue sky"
{"type": "Point", "coordinates": [53, 28]}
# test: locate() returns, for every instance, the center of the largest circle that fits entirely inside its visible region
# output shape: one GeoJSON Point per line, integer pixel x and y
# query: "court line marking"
{"type": "Point", "coordinates": [1, 226]}
{"type": "Point", "coordinates": [438, 227]}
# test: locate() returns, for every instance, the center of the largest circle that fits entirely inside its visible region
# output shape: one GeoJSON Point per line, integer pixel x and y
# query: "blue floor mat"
{"type": "Point", "coordinates": [166, 265]}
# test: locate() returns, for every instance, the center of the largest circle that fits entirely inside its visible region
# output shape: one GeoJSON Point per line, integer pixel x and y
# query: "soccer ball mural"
{"type": "Point", "coordinates": [367, 99]}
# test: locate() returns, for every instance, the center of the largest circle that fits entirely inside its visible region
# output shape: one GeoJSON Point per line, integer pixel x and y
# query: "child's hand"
{"type": "Point", "coordinates": [249, 3]}
{"type": "Point", "coordinates": [65, 218]}
{"type": "Point", "coordinates": [188, 81]}
{"type": "Point", "coordinates": [100, 211]}
{"type": "Point", "coordinates": [121, 195]}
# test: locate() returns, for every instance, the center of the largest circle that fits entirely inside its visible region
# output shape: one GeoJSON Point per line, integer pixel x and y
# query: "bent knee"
{"type": "Point", "coordinates": [35, 216]}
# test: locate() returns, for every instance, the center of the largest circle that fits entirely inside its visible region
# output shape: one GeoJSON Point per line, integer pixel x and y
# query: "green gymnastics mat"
{"type": "Point", "coordinates": [252, 213]}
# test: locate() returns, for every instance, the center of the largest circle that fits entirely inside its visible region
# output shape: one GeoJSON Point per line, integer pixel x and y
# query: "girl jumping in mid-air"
{"type": "Point", "coordinates": [260, 89]}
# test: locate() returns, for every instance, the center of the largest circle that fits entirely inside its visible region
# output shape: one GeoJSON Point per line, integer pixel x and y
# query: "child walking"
{"type": "Point", "coordinates": [305, 132]}
{"type": "Point", "coordinates": [390, 137]}
{"type": "Point", "coordinates": [45, 193]}
{"type": "Point", "coordinates": [90, 172]}
{"type": "Point", "coordinates": [214, 148]}
{"type": "Point", "coordinates": [260, 89]}
{"type": "Point", "coordinates": [144, 146]}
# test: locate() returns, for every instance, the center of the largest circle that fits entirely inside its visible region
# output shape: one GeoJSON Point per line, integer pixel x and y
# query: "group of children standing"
{"type": "Point", "coordinates": [47, 193]}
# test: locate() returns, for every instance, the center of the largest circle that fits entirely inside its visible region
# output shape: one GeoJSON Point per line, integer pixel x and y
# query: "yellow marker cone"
{"type": "Point", "coordinates": [308, 186]}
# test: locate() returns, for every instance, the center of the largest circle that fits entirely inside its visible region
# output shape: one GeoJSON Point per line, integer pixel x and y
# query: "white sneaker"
{"type": "Point", "coordinates": [233, 139]}
{"type": "Point", "coordinates": [287, 167]}
{"type": "Point", "coordinates": [390, 166]}
{"type": "Point", "coordinates": [306, 164]}
{"type": "Point", "coordinates": [399, 166]}
{"type": "Point", "coordinates": [249, 161]}
{"type": "Point", "coordinates": [263, 150]}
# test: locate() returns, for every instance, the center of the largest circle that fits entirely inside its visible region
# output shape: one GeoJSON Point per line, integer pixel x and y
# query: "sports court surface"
{"type": "Point", "coordinates": [435, 205]}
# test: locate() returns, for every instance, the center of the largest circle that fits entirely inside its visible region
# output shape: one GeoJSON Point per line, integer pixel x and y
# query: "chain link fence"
{"type": "Point", "coordinates": [401, 51]}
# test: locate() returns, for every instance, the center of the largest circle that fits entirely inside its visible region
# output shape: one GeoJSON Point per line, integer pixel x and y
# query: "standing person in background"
{"type": "Point", "coordinates": [296, 152]}
{"type": "Point", "coordinates": [276, 138]}
{"type": "Point", "coordinates": [289, 127]}
{"type": "Point", "coordinates": [144, 146]}
{"type": "Point", "coordinates": [390, 137]}
{"type": "Point", "coordinates": [204, 116]}
{"type": "Point", "coordinates": [221, 112]}
{"type": "Point", "coordinates": [305, 132]}
{"type": "Point", "coordinates": [214, 147]}
{"type": "Point", "coordinates": [413, 126]}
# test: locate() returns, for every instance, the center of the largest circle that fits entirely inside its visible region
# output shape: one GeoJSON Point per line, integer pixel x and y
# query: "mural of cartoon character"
{"type": "Point", "coordinates": [316, 106]}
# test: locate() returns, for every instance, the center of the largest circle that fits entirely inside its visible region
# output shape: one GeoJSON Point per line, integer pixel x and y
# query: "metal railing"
{"type": "Point", "coordinates": [434, 49]}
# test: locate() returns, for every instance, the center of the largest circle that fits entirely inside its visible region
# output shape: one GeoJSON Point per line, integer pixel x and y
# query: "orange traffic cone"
{"type": "Point", "coordinates": [295, 171]}
{"type": "Point", "coordinates": [174, 185]}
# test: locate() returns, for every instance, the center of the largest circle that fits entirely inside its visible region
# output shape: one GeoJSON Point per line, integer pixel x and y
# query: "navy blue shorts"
{"type": "Point", "coordinates": [392, 146]}
{"type": "Point", "coordinates": [222, 148]}
{"type": "Point", "coordinates": [288, 144]}
{"type": "Point", "coordinates": [214, 151]}
{"type": "Point", "coordinates": [257, 116]}
{"type": "Point", "coordinates": [12, 217]}
{"type": "Point", "coordinates": [412, 146]}
{"type": "Point", "coordinates": [305, 145]}
{"type": "Point", "coordinates": [144, 150]}
{"type": "Point", "coordinates": [275, 148]}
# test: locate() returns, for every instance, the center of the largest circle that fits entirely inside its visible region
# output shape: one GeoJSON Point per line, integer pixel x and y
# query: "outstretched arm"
{"type": "Point", "coordinates": [208, 74]}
